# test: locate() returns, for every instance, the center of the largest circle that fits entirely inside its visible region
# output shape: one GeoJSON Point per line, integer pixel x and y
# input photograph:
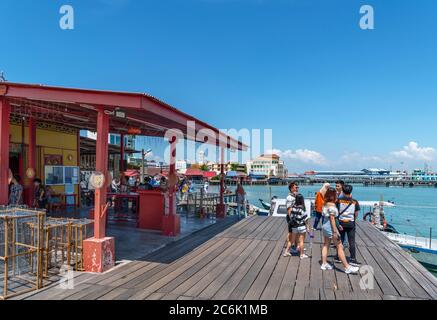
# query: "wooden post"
{"type": "Point", "coordinates": [32, 156]}
{"type": "Point", "coordinates": [5, 111]}
{"type": "Point", "coordinates": [171, 225]}
{"type": "Point", "coordinates": [221, 207]}
{"type": "Point", "coordinates": [99, 252]}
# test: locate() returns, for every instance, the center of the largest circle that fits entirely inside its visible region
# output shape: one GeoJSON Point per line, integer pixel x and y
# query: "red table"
{"type": "Point", "coordinates": [127, 195]}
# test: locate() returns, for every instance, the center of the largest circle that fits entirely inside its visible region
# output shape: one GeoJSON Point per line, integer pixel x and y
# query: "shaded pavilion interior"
{"type": "Point", "coordinates": [103, 112]}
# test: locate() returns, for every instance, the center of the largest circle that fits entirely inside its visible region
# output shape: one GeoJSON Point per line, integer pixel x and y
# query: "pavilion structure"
{"type": "Point", "coordinates": [103, 112]}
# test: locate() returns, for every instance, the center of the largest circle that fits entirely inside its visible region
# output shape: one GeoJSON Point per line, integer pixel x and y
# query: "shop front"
{"type": "Point", "coordinates": [56, 158]}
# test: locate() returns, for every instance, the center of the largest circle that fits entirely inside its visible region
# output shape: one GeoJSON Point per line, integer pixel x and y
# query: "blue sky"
{"type": "Point", "coordinates": [335, 96]}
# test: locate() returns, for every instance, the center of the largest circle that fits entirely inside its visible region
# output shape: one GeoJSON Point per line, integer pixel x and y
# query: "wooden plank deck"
{"type": "Point", "coordinates": [244, 261]}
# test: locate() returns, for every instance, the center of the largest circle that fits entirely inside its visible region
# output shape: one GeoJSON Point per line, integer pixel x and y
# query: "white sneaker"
{"type": "Point", "coordinates": [326, 266]}
{"type": "Point", "coordinates": [287, 254]}
{"type": "Point", "coordinates": [352, 269]}
{"type": "Point", "coordinates": [304, 257]}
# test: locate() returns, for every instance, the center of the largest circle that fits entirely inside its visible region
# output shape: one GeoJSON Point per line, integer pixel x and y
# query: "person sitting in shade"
{"type": "Point", "coordinates": [16, 192]}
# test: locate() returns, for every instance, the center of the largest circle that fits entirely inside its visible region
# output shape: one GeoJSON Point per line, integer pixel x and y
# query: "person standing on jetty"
{"type": "Point", "coordinates": [241, 200]}
{"type": "Point", "coordinates": [319, 203]}
{"type": "Point", "coordinates": [293, 187]}
{"type": "Point", "coordinates": [331, 233]}
{"type": "Point", "coordinates": [299, 222]}
{"type": "Point", "coordinates": [348, 209]}
{"type": "Point", "coordinates": [339, 187]}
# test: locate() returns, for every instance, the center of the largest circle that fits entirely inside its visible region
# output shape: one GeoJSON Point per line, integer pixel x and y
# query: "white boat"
{"type": "Point", "coordinates": [278, 207]}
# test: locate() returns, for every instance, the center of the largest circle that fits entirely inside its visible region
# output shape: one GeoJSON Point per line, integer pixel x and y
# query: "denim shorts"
{"type": "Point", "coordinates": [327, 229]}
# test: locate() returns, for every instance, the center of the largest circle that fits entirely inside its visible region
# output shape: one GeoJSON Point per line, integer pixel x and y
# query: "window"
{"type": "Point", "coordinates": [59, 175]}
{"type": "Point", "coordinates": [54, 175]}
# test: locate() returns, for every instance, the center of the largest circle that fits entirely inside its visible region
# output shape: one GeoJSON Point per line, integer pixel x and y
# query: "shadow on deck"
{"type": "Point", "coordinates": [244, 262]}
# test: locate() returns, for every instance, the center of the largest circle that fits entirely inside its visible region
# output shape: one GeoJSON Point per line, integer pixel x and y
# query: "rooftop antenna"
{"type": "Point", "coordinates": [2, 76]}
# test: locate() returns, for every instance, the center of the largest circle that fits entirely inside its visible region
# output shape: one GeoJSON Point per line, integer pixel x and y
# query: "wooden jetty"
{"type": "Point", "coordinates": [244, 261]}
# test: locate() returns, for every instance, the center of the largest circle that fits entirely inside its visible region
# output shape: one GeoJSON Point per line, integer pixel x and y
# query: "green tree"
{"type": "Point", "coordinates": [234, 166]}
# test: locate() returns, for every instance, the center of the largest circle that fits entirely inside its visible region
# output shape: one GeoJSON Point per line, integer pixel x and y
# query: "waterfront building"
{"type": "Point", "coordinates": [372, 173]}
{"type": "Point", "coordinates": [421, 175]}
{"type": "Point", "coordinates": [114, 139]}
{"type": "Point", "coordinates": [230, 166]}
{"type": "Point", "coordinates": [181, 166]}
{"type": "Point", "coordinates": [268, 165]}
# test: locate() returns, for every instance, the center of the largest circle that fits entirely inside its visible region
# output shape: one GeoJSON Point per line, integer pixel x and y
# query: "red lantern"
{"type": "Point", "coordinates": [134, 131]}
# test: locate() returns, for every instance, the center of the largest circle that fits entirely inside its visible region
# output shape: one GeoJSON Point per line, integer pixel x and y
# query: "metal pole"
{"type": "Point", "coordinates": [430, 238]}
{"type": "Point", "coordinates": [142, 165]}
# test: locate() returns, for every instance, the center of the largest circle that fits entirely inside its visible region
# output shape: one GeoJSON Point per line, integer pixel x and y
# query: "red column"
{"type": "Point", "coordinates": [171, 225]}
{"type": "Point", "coordinates": [99, 252]}
{"type": "Point", "coordinates": [122, 169]}
{"type": "Point", "coordinates": [32, 156]}
{"type": "Point", "coordinates": [101, 166]}
{"type": "Point", "coordinates": [221, 207]}
{"type": "Point", "coordinates": [5, 111]}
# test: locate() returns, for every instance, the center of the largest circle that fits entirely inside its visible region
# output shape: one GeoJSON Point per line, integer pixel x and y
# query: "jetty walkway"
{"type": "Point", "coordinates": [244, 261]}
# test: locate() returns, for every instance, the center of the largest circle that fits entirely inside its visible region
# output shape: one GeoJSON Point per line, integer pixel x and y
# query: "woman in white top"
{"type": "Point", "coordinates": [330, 232]}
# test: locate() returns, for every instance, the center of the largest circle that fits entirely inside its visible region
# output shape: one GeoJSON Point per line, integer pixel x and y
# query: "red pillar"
{"type": "Point", "coordinates": [99, 252]}
{"type": "Point", "coordinates": [5, 111]}
{"type": "Point", "coordinates": [171, 225]}
{"type": "Point", "coordinates": [122, 169]}
{"type": "Point", "coordinates": [32, 157]}
{"type": "Point", "coordinates": [221, 207]}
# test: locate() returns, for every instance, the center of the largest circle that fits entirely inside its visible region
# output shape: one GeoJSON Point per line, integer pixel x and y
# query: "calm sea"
{"type": "Point", "coordinates": [415, 212]}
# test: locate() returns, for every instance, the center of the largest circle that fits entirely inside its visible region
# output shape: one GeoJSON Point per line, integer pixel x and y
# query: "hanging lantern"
{"type": "Point", "coordinates": [30, 173]}
{"type": "Point", "coordinates": [97, 180]}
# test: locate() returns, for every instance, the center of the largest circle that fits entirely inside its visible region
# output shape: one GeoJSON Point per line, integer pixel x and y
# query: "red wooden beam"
{"type": "Point", "coordinates": [221, 207]}
{"type": "Point", "coordinates": [101, 166]}
{"type": "Point", "coordinates": [5, 111]}
{"type": "Point", "coordinates": [99, 251]}
{"type": "Point", "coordinates": [69, 95]}
{"type": "Point", "coordinates": [32, 156]}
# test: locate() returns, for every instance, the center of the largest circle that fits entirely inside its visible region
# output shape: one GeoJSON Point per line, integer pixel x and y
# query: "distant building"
{"type": "Point", "coordinates": [181, 166]}
{"type": "Point", "coordinates": [230, 166]}
{"type": "Point", "coordinates": [268, 165]}
{"type": "Point", "coordinates": [114, 139]}
{"type": "Point", "coordinates": [421, 175]}
{"type": "Point", "coordinates": [365, 173]}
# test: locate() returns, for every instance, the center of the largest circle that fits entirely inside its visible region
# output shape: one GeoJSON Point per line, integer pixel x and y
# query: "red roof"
{"type": "Point", "coordinates": [209, 174]}
{"type": "Point", "coordinates": [132, 173]}
{"type": "Point", "coordinates": [78, 109]}
{"type": "Point", "coordinates": [194, 173]}
{"type": "Point", "coordinates": [310, 173]}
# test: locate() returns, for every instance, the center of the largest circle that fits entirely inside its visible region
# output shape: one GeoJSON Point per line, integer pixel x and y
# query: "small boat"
{"type": "Point", "coordinates": [265, 205]}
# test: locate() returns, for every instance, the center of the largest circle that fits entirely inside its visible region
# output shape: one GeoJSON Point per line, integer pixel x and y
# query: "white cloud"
{"type": "Point", "coordinates": [358, 157]}
{"type": "Point", "coordinates": [414, 152]}
{"type": "Point", "coordinates": [301, 155]}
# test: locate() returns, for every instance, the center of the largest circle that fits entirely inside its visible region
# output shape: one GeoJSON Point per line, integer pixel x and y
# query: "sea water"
{"type": "Point", "coordinates": [415, 212]}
